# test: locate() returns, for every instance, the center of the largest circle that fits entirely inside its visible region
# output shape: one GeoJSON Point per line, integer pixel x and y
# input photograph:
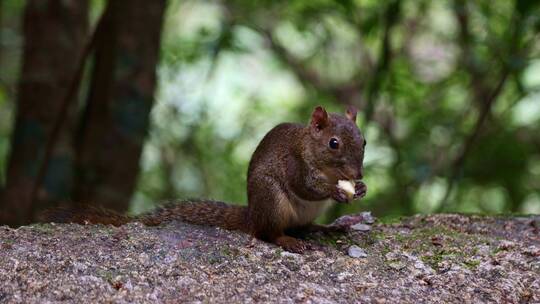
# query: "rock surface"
{"type": "Point", "coordinates": [422, 259]}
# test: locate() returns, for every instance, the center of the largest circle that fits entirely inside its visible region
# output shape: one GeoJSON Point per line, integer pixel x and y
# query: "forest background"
{"type": "Point", "coordinates": [129, 103]}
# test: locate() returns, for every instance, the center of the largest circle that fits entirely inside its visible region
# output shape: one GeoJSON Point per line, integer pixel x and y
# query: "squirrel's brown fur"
{"type": "Point", "coordinates": [199, 212]}
{"type": "Point", "coordinates": [292, 173]}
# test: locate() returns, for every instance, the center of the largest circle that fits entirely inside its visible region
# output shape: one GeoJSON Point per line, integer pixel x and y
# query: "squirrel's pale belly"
{"type": "Point", "coordinates": [301, 212]}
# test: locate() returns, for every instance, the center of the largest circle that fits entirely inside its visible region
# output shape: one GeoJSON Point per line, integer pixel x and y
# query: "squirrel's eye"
{"type": "Point", "coordinates": [334, 143]}
{"type": "Point", "coordinates": [365, 143]}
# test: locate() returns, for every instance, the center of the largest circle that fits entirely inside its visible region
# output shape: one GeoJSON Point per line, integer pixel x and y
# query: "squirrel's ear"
{"type": "Point", "coordinates": [319, 118]}
{"type": "Point", "coordinates": [351, 113]}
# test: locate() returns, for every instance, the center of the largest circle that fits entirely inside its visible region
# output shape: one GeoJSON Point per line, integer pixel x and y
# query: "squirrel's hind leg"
{"type": "Point", "coordinates": [291, 244]}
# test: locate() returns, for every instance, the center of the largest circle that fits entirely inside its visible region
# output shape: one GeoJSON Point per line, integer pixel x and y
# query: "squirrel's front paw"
{"type": "Point", "coordinates": [360, 190]}
{"type": "Point", "coordinates": [340, 195]}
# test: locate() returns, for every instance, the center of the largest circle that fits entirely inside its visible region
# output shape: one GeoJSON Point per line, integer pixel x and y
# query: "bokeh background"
{"type": "Point", "coordinates": [448, 92]}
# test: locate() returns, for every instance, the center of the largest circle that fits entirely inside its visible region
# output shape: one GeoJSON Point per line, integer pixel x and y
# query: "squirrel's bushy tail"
{"type": "Point", "coordinates": [85, 215]}
{"type": "Point", "coordinates": [202, 212]}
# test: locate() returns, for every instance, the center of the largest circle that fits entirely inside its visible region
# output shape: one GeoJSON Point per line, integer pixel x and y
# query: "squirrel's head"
{"type": "Point", "coordinates": [337, 145]}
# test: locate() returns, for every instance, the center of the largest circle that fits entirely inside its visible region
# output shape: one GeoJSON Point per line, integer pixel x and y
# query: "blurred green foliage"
{"type": "Point", "coordinates": [449, 93]}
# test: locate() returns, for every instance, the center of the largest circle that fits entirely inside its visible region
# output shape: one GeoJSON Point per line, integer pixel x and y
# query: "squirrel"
{"type": "Point", "coordinates": [292, 178]}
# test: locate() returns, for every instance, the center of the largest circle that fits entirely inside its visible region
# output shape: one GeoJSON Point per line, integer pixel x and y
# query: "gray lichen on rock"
{"type": "Point", "coordinates": [440, 258]}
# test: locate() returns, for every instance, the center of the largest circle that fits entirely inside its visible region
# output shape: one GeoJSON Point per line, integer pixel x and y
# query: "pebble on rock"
{"type": "Point", "coordinates": [368, 218]}
{"type": "Point", "coordinates": [357, 252]}
{"type": "Point", "coordinates": [361, 227]}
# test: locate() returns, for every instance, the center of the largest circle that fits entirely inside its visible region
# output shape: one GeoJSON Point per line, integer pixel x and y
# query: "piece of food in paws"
{"type": "Point", "coordinates": [348, 187]}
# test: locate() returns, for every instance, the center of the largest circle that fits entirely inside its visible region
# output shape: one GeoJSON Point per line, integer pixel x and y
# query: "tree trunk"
{"type": "Point", "coordinates": [54, 33]}
{"type": "Point", "coordinates": [115, 120]}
